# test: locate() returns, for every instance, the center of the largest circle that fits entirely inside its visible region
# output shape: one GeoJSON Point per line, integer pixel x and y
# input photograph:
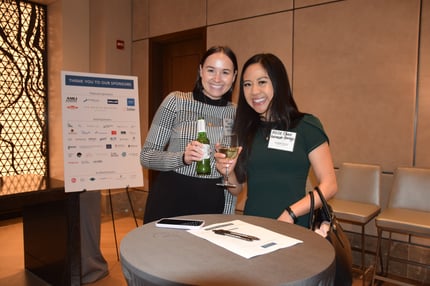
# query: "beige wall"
{"type": "Point", "coordinates": [68, 49]}
{"type": "Point", "coordinates": [360, 77]}
{"type": "Point", "coordinates": [82, 37]}
{"type": "Point", "coordinates": [110, 20]}
{"type": "Point", "coordinates": [423, 114]}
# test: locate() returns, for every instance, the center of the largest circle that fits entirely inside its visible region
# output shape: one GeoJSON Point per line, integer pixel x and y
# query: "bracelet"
{"type": "Point", "coordinates": [292, 214]}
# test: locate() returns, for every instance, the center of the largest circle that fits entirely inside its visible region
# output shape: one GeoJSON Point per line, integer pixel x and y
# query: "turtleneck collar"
{"type": "Point", "coordinates": [199, 96]}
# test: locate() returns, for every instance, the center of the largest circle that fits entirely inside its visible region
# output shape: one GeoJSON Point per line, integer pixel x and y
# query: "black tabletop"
{"type": "Point", "coordinates": [20, 190]}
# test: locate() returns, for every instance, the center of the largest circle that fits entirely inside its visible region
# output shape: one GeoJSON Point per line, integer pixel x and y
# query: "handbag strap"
{"type": "Point", "coordinates": [311, 210]}
{"type": "Point", "coordinates": [325, 207]}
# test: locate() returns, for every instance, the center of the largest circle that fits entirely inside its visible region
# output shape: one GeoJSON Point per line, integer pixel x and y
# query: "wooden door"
{"type": "Point", "coordinates": [173, 65]}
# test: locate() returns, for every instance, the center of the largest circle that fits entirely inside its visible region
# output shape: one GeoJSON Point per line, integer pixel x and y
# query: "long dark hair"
{"type": "Point", "coordinates": [283, 111]}
{"type": "Point", "coordinates": [198, 86]}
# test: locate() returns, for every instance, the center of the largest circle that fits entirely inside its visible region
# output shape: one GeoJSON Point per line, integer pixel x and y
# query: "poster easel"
{"type": "Point", "coordinates": [101, 134]}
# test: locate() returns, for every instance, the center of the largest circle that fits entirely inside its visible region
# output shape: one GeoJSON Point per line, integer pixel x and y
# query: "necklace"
{"type": "Point", "coordinates": [266, 129]}
{"type": "Point", "coordinates": [265, 132]}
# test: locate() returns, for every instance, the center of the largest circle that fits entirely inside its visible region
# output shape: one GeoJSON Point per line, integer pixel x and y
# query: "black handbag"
{"type": "Point", "coordinates": [336, 236]}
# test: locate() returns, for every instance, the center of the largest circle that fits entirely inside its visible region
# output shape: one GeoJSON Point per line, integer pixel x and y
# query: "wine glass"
{"type": "Point", "coordinates": [229, 147]}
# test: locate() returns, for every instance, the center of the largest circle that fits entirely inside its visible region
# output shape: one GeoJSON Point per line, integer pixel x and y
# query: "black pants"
{"type": "Point", "coordinates": [173, 194]}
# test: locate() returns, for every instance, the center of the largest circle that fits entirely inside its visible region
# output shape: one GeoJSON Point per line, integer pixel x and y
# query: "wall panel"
{"type": "Point", "coordinates": [140, 14]}
{"type": "Point", "coordinates": [55, 65]}
{"type": "Point", "coordinates": [140, 68]}
{"type": "Point", "coordinates": [423, 124]}
{"type": "Point", "coordinates": [359, 77]}
{"type": "Point", "coordinates": [169, 16]}
{"type": "Point", "coordinates": [256, 35]}
{"type": "Point", "coordinates": [109, 23]}
{"type": "Point", "coordinates": [309, 3]}
{"type": "Point", "coordinates": [226, 10]}
{"type": "Point", "coordinates": [68, 49]}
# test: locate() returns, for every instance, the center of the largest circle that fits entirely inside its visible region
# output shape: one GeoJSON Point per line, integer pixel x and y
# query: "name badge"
{"type": "Point", "coordinates": [282, 140]}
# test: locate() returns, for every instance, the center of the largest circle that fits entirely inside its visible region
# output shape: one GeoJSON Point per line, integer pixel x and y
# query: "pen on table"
{"type": "Point", "coordinates": [235, 234]}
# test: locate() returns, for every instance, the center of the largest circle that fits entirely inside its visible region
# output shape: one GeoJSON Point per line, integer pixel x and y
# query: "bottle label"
{"type": "Point", "coordinates": [206, 151]}
{"type": "Point", "coordinates": [201, 125]}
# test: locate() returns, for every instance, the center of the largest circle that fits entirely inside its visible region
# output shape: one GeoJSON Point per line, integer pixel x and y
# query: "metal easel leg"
{"type": "Point", "coordinates": [131, 206]}
{"type": "Point", "coordinates": [113, 224]}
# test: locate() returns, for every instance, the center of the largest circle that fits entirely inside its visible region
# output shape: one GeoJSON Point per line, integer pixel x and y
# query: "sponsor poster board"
{"type": "Point", "coordinates": [101, 131]}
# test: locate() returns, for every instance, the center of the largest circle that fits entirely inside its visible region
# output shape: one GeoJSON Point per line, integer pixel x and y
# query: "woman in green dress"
{"type": "Point", "coordinates": [280, 145]}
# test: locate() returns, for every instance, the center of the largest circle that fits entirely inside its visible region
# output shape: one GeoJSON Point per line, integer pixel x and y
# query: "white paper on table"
{"type": "Point", "coordinates": [269, 241]}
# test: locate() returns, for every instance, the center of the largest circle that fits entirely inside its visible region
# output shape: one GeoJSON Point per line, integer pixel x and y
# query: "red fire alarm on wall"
{"type": "Point", "coordinates": [120, 44]}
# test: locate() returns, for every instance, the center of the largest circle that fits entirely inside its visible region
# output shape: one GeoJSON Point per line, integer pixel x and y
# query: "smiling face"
{"type": "Point", "coordinates": [217, 75]}
{"type": "Point", "coordinates": [258, 89]}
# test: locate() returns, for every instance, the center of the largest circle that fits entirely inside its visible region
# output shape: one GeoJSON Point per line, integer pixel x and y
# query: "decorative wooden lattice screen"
{"type": "Point", "coordinates": [23, 88]}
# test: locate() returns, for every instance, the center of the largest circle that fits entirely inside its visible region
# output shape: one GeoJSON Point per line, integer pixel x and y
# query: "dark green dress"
{"type": "Point", "coordinates": [277, 178]}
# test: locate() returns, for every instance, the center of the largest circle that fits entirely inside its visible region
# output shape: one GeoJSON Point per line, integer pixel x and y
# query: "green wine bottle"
{"type": "Point", "coordinates": [203, 167]}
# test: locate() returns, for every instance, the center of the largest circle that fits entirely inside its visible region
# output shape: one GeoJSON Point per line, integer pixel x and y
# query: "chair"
{"type": "Point", "coordinates": [357, 201]}
{"type": "Point", "coordinates": [408, 212]}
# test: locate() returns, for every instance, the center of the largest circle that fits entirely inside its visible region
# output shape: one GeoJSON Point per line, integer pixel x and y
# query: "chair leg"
{"type": "Point", "coordinates": [378, 256]}
{"type": "Point", "coordinates": [381, 263]}
{"type": "Point", "coordinates": [363, 255]}
{"type": "Point", "coordinates": [363, 248]}
{"type": "Point", "coordinates": [388, 253]}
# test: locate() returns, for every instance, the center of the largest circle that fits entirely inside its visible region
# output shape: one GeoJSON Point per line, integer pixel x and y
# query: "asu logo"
{"type": "Point", "coordinates": [71, 99]}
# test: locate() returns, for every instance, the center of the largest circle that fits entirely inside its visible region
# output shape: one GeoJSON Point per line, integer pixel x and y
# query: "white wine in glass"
{"type": "Point", "coordinates": [229, 147]}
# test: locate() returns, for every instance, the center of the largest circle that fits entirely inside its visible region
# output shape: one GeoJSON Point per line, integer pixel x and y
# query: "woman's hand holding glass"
{"type": "Point", "coordinates": [226, 156]}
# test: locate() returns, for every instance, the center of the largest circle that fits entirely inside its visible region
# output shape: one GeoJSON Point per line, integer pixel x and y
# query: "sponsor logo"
{"type": "Point", "coordinates": [71, 99]}
{"type": "Point", "coordinates": [90, 100]}
{"type": "Point", "coordinates": [112, 101]}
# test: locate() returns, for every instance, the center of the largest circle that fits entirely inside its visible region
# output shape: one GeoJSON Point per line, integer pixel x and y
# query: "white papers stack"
{"type": "Point", "coordinates": [269, 241]}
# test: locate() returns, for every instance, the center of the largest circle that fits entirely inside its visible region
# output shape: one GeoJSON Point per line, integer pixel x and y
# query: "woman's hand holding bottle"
{"type": "Point", "coordinates": [193, 152]}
